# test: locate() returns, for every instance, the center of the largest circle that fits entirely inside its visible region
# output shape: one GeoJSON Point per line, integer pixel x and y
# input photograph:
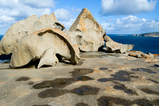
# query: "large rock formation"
{"type": "Point", "coordinates": [112, 46]}
{"type": "Point", "coordinates": [43, 39]}
{"type": "Point", "coordinates": [45, 45]}
{"type": "Point", "coordinates": [86, 32]}
{"type": "Point", "coordinates": [24, 27]}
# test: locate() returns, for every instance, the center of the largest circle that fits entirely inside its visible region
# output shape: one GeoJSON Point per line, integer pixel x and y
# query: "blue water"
{"type": "Point", "coordinates": [1, 37]}
{"type": "Point", "coordinates": [144, 44]}
{"type": "Point", "coordinates": [2, 61]}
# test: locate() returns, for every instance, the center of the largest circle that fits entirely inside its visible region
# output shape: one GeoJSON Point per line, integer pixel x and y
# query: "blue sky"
{"type": "Point", "coordinates": [115, 16]}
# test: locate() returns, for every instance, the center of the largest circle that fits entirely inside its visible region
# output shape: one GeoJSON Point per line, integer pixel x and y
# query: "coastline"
{"type": "Point", "coordinates": [152, 34]}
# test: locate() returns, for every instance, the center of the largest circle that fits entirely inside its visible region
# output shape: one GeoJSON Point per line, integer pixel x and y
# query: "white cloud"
{"type": "Point", "coordinates": [39, 3]}
{"type": "Point", "coordinates": [24, 8]}
{"type": "Point", "coordinates": [15, 10]}
{"type": "Point", "coordinates": [125, 7]}
{"type": "Point", "coordinates": [4, 19]}
{"type": "Point", "coordinates": [131, 25]}
{"type": "Point", "coordinates": [68, 23]}
{"type": "Point", "coordinates": [62, 14]}
{"type": "Point", "coordinates": [75, 10]}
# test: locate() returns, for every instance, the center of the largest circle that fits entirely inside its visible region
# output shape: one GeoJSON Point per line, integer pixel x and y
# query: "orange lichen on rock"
{"type": "Point", "coordinates": [90, 32]}
{"type": "Point", "coordinates": [156, 54]}
{"type": "Point", "coordinates": [103, 62]}
{"type": "Point", "coordinates": [139, 54]}
{"type": "Point", "coordinates": [136, 51]}
{"type": "Point", "coordinates": [11, 74]}
{"type": "Point", "coordinates": [109, 89]}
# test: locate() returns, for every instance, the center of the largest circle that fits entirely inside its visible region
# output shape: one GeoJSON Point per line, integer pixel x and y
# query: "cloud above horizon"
{"type": "Point", "coordinates": [126, 7]}
{"type": "Point", "coordinates": [19, 9]}
{"type": "Point", "coordinates": [14, 10]}
{"type": "Point", "coordinates": [64, 16]}
{"type": "Point", "coordinates": [131, 25]}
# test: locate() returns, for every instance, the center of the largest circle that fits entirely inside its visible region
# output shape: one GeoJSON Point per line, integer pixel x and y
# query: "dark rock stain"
{"type": "Point", "coordinates": [144, 70]}
{"type": "Point", "coordinates": [82, 104]}
{"type": "Point", "coordinates": [30, 83]}
{"type": "Point", "coordinates": [23, 79]}
{"type": "Point", "coordinates": [55, 92]}
{"type": "Point", "coordinates": [119, 76]}
{"type": "Point", "coordinates": [77, 75]}
{"type": "Point", "coordinates": [153, 81]}
{"type": "Point", "coordinates": [156, 65]}
{"type": "Point", "coordinates": [125, 89]}
{"type": "Point", "coordinates": [52, 93]}
{"type": "Point", "coordinates": [111, 101]}
{"type": "Point", "coordinates": [78, 72]}
{"type": "Point", "coordinates": [103, 68]}
{"type": "Point", "coordinates": [86, 90]}
{"type": "Point", "coordinates": [57, 83]}
{"type": "Point", "coordinates": [156, 102]}
{"type": "Point", "coordinates": [84, 78]}
{"type": "Point", "coordinates": [142, 102]}
{"type": "Point", "coordinates": [148, 91]}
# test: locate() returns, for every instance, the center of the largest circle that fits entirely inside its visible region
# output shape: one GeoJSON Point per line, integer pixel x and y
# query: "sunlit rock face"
{"type": "Point", "coordinates": [24, 27]}
{"type": "Point", "coordinates": [86, 32]}
{"type": "Point", "coordinates": [43, 45]}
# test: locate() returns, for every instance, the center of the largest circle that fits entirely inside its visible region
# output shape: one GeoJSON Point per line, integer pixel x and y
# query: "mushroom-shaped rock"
{"type": "Point", "coordinates": [25, 27]}
{"type": "Point", "coordinates": [43, 45]}
{"type": "Point", "coordinates": [112, 46]}
{"type": "Point", "coordinates": [86, 32]}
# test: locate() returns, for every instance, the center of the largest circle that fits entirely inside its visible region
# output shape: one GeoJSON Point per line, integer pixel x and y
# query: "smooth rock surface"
{"type": "Point", "coordinates": [44, 45]}
{"type": "Point", "coordinates": [86, 32]}
{"type": "Point", "coordinates": [116, 79]}
{"type": "Point", "coordinates": [24, 27]}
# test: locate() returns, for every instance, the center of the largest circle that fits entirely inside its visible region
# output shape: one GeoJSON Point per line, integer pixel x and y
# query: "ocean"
{"type": "Point", "coordinates": [144, 44]}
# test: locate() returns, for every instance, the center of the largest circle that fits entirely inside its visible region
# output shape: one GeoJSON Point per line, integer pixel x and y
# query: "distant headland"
{"type": "Point", "coordinates": [151, 34]}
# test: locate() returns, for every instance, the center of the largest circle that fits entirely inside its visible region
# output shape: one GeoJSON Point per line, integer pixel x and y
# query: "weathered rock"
{"type": "Point", "coordinates": [113, 46]}
{"type": "Point", "coordinates": [139, 54]}
{"type": "Point", "coordinates": [24, 27]}
{"type": "Point", "coordinates": [86, 32]}
{"type": "Point", "coordinates": [44, 45]}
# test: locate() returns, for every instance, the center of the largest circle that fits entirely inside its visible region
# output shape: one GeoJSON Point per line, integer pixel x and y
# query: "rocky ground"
{"type": "Point", "coordinates": [100, 79]}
